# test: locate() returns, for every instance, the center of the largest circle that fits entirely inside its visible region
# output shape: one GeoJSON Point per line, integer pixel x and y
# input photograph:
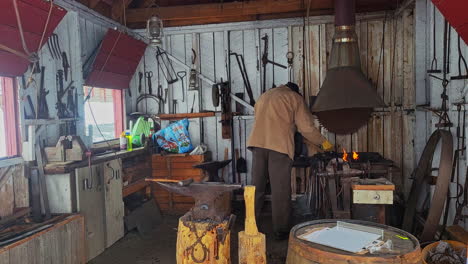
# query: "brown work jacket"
{"type": "Point", "coordinates": [279, 113]}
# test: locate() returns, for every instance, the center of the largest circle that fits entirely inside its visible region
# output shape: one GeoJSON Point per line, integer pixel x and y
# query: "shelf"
{"type": "Point", "coordinates": [187, 115]}
{"type": "Point", "coordinates": [40, 122]}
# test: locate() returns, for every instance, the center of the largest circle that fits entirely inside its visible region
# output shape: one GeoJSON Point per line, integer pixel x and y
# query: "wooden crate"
{"type": "Point", "coordinates": [175, 167]}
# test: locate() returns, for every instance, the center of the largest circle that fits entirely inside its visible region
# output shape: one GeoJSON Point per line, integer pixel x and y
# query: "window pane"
{"type": "Point", "coordinates": [99, 113]}
{"type": "Point", "coordinates": [3, 149]}
{"type": "Point", "coordinates": [8, 118]}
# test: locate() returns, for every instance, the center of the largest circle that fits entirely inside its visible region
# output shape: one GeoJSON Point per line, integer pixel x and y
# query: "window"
{"type": "Point", "coordinates": [9, 139]}
{"type": "Point", "coordinates": [104, 113]}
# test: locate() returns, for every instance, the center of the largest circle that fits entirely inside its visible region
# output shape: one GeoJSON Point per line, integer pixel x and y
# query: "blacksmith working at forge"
{"type": "Point", "coordinates": [279, 113]}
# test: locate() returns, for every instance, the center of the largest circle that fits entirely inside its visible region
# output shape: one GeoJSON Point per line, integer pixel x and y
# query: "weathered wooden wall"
{"type": "Point", "coordinates": [429, 89]}
{"type": "Point", "coordinates": [390, 131]}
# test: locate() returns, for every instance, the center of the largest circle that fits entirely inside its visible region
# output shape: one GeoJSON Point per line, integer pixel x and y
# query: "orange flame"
{"type": "Point", "coordinates": [345, 155]}
{"type": "Point", "coordinates": [355, 155]}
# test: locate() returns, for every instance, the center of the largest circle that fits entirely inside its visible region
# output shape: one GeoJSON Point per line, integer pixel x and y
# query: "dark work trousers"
{"type": "Point", "coordinates": [277, 167]}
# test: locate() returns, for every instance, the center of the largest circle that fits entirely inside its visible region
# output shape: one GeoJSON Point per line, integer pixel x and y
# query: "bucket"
{"type": "Point", "coordinates": [455, 244]}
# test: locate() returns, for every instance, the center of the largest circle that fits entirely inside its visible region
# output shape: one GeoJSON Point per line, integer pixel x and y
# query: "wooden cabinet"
{"type": "Point", "coordinates": [96, 193]}
{"type": "Point", "coordinates": [90, 201]}
{"type": "Point", "coordinates": [114, 205]}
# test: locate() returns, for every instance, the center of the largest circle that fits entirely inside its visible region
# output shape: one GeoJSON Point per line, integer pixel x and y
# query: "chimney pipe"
{"type": "Point", "coordinates": [346, 98]}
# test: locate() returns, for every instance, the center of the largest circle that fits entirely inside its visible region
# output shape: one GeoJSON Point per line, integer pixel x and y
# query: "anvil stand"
{"type": "Point", "coordinates": [204, 232]}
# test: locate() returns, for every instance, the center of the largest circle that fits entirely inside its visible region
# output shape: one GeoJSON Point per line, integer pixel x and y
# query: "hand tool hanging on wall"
{"type": "Point", "coordinates": [290, 58]}
{"type": "Point", "coordinates": [71, 103]}
{"type": "Point", "coordinates": [31, 108]}
{"type": "Point", "coordinates": [149, 75]}
{"type": "Point", "coordinates": [182, 75]}
{"type": "Point", "coordinates": [193, 79]}
{"type": "Point", "coordinates": [43, 108]}
{"type": "Point", "coordinates": [160, 95]}
{"type": "Point", "coordinates": [174, 106]}
{"type": "Point", "coordinates": [449, 48]}
{"type": "Point", "coordinates": [165, 65]}
{"type": "Point", "coordinates": [49, 47]}
{"type": "Point", "coordinates": [161, 103]}
{"type": "Point", "coordinates": [456, 164]}
{"type": "Point", "coordinates": [265, 62]}
{"type": "Point", "coordinates": [444, 118]}
{"type": "Point", "coordinates": [461, 61]}
{"type": "Point", "coordinates": [64, 110]}
{"type": "Point", "coordinates": [129, 91]}
{"type": "Point", "coordinates": [434, 66]}
{"type": "Point", "coordinates": [245, 77]}
{"type": "Point", "coordinates": [140, 79]}
{"type": "Point", "coordinates": [61, 108]}
{"type": "Point", "coordinates": [54, 47]}
{"type": "Point", "coordinates": [241, 163]}
{"type": "Point", "coordinates": [65, 65]}
{"type": "Point", "coordinates": [223, 90]}
{"type": "Point", "coordinates": [193, 103]}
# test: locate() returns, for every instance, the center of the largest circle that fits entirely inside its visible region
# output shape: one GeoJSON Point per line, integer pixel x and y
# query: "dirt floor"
{"type": "Point", "coordinates": [159, 248]}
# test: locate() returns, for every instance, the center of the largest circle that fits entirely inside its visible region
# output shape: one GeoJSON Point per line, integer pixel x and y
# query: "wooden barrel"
{"type": "Point", "coordinates": [405, 251]}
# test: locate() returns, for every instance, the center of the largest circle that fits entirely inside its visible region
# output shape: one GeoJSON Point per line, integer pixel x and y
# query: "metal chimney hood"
{"type": "Point", "coordinates": [346, 98]}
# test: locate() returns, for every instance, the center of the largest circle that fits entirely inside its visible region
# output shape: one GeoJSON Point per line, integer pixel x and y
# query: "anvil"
{"type": "Point", "coordinates": [208, 198]}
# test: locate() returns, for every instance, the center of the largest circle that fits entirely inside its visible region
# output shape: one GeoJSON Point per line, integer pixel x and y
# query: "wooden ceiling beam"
{"type": "Point", "coordinates": [208, 12]}
{"type": "Point", "coordinates": [215, 20]}
{"type": "Point", "coordinates": [93, 3]}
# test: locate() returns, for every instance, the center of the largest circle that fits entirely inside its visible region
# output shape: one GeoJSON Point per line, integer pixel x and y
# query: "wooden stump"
{"type": "Point", "coordinates": [252, 244]}
{"type": "Point", "coordinates": [198, 242]}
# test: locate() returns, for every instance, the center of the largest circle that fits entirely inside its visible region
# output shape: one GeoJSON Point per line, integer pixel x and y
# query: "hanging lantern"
{"type": "Point", "coordinates": [154, 30]}
{"type": "Point", "coordinates": [193, 76]}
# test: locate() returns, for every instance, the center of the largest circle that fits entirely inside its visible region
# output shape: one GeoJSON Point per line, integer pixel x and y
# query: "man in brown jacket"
{"type": "Point", "coordinates": [279, 113]}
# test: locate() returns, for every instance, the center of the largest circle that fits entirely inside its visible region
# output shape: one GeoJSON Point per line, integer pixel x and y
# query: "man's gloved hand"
{"type": "Point", "coordinates": [327, 146]}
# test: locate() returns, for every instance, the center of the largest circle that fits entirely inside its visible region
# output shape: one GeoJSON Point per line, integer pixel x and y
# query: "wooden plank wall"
{"type": "Point", "coordinates": [431, 88]}
{"type": "Point", "coordinates": [68, 32]}
{"type": "Point", "coordinates": [61, 244]}
{"type": "Point", "coordinates": [388, 132]}
{"type": "Point", "coordinates": [15, 192]}
{"type": "Point", "coordinates": [78, 37]}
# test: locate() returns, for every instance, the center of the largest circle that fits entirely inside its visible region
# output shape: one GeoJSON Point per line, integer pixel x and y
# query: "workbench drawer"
{"type": "Point", "coordinates": [372, 197]}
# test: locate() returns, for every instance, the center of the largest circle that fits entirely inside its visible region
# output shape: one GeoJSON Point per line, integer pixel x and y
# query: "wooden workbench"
{"type": "Point", "coordinates": [67, 167]}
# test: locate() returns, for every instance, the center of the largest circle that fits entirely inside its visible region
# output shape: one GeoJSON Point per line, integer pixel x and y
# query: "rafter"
{"type": "Point", "coordinates": [210, 11]}
{"type": "Point", "coordinates": [93, 3]}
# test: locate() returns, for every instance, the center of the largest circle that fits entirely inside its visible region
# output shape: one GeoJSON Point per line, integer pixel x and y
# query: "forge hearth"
{"type": "Point", "coordinates": [327, 180]}
{"type": "Point", "coordinates": [372, 164]}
